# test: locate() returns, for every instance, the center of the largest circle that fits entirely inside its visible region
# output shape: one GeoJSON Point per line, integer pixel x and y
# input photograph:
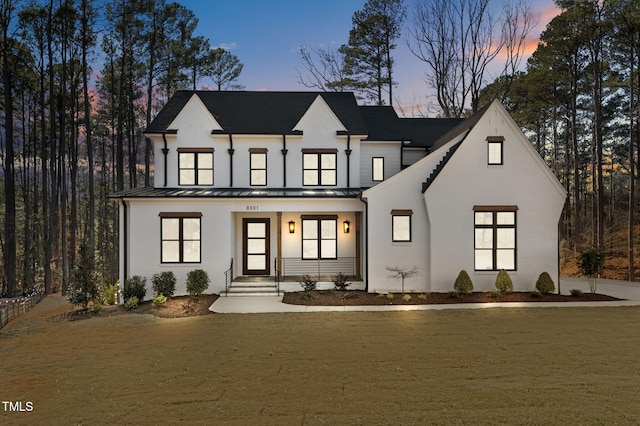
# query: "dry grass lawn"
{"type": "Point", "coordinates": [488, 366]}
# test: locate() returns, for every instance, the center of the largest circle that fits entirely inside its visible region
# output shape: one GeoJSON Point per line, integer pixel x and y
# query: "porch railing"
{"type": "Point", "coordinates": [322, 268]}
{"type": "Point", "coordinates": [228, 277]}
{"type": "Point", "coordinates": [277, 275]}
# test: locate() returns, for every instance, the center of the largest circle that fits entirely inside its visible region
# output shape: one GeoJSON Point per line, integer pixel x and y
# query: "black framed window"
{"type": "Point", "coordinates": [401, 225]}
{"type": "Point", "coordinates": [319, 237]}
{"type": "Point", "coordinates": [180, 237]}
{"type": "Point", "coordinates": [495, 238]}
{"type": "Point", "coordinates": [377, 169]}
{"type": "Point", "coordinates": [258, 167]}
{"type": "Point", "coordinates": [195, 167]}
{"type": "Point", "coordinates": [319, 168]}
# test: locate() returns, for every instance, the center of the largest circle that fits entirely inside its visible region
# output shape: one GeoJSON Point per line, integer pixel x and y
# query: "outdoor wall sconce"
{"type": "Point", "coordinates": [292, 227]}
{"type": "Point", "coordinates": [346, 225]}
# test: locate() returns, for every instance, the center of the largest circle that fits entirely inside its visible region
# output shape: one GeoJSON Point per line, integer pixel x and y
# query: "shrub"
{"type": "Point", "coordinates": [164, 283]}
{"type": "Point", "coordinates": [545, 284]}
{"type": "Point", "coordinates": [159, 301]}
{"type": "Point", "coordinates": [536, 294]}
{"type": "Point", "coordinates": [83, 287]}
{"type": "Point", "coordinates": [453, 294]}
{"type": "Point", "coordinates": [131, 303]}
{"type": "Point", "coordinates": [136, 286]}
{"type": "Point", "coordinates": [423, 296]}
{"type": "Point", "coordinates": [95, 309]}
{"type": "Point", "coordinates": [503, 282]}
{"type": "Point", "coordinates": [110, 293]}
{"type": "Point", "coordinates": [576, 292]}
{"type": "Point", "coordinates": [308, 283]}
{"type": "Point", "coordinates": [463, 284]}
{"type": "Point", "coordinates": [349, 296]}
{"type": "Point", "coordinates": [495, 294]}
{"type": "Point", "coordinates": [197, 282]}
{"type": "Point", "coordinates": [406, 297]}
{"type": "Point", "coordinates": [340, 281]}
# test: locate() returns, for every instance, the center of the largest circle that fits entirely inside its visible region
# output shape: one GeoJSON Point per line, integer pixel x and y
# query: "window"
{"type": "Point", "coordinates": [258, 166]}
{"type": "Point", "coordinates": [319, 237]}
{"type": "Point", "coordinates": [180, 235]}
{"type": "Point", "coordinates": [377, 169]}
{"type": "Point", "coordinates": [319, 167]}
{"type": "Point", "coordinates": [494, 150]}
{"type": "Point", "coordinates": [195, 166]}
{"type": "Point", "coordinates": [495, 238]}
{"type": "Point", "coordinates": [401, 225]}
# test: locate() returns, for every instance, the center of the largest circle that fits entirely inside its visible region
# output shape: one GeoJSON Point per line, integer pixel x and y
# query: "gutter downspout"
{"type": "Point", "coordinates": [284, 152]}
{"type": "Point", "coordinates": [348, 152]}
{"type": "Point", "coordinates": [165, 151]}
{"type": "Point", "coordinates": [231, 151]}
{"type": "Point", "coordinates": [366, 243]}
{"type": "Point", "coordinates": [125, 245]}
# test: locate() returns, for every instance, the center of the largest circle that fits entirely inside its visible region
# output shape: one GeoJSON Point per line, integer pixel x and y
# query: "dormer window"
{"type": "Point", "coordinates": [495, 150]}
{"type": "Point", "coordinates": [195, 166]}
{"type": "Point", "coordinates": [319, 167]}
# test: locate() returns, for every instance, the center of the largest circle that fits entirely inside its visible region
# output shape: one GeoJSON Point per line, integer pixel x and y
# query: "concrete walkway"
{"type": "Point", "coordinates": [270, 304]}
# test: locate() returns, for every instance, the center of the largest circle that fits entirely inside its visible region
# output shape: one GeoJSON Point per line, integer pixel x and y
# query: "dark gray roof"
{"type": "Point", "coordinates": [424, 132]}
{"type": "Point", "coordinates": [237, 193]}
{"type": "Point", "coordinates": [383, 124]}
{"type": "Point", "coordinates": [241, 112]}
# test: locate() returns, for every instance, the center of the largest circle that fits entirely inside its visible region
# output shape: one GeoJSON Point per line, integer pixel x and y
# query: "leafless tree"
{"type": "Point", "coordinates": [324, 69]}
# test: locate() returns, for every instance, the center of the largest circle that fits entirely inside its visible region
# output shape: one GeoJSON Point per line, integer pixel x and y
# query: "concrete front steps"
{"type": "Point", "coordinates": [252, 288]}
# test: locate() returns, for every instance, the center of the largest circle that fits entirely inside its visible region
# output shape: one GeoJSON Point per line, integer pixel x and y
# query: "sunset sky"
{"type": "Point", "coordinates": [265, 36]}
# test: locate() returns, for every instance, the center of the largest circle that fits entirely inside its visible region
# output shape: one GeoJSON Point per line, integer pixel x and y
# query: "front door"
{"type": "Point", "coordinates": [255, 246]}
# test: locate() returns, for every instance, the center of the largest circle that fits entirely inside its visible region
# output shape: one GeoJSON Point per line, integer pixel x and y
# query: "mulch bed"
{"type": "Point", "coordinates": [176, 307]}
{"type": "Point", "coordinates": [359, 297]}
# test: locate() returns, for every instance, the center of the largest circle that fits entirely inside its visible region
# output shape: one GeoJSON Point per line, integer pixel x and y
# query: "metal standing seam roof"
{"type": "Point", "coordinates": [148, 192]}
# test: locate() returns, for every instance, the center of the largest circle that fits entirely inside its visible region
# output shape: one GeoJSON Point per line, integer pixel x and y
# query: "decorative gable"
{"type": "Point", "coordinates": [195, 118]}
{"type": "Point", "coordinates": [320, 119]}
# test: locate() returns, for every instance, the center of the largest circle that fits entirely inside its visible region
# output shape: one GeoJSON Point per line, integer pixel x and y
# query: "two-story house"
{"type": "Point", "coordinates": [269, 186]}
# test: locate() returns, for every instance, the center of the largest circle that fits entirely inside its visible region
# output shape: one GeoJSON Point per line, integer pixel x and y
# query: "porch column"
{"type": "Point", "coordinates": [358, 245]}
{"type": "Point", "coordinates": [279, 243]}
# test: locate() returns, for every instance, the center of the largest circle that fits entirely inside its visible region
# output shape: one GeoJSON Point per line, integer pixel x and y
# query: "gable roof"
{"type": "Point", "coordinates": [463, 126]}
{"type": "Point", "coordinates": [274, 113]}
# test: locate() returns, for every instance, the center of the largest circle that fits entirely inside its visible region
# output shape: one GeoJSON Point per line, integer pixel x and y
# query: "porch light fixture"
{"type": "Point", "coordinates": [292, 227]}
{"type": "Point", "coordinates": [346, 225]}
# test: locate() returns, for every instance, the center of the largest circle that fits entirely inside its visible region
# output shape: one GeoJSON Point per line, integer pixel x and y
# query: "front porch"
{"type": "Point", "coordinates": [287, 277]}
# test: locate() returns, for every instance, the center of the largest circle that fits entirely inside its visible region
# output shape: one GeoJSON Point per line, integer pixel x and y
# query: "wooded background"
{"type": "Point", "coordinates": [77, 95]}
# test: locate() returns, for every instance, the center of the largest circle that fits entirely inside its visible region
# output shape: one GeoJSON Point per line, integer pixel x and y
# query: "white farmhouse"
{"type": "Point", "coordinates": [260, 188]}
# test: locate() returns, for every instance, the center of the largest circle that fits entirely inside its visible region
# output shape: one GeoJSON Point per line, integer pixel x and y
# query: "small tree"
{"type": "Point", "coordinates": [164, 283]}
{"type": "Point", "coordinates": [545, 283]}
{"type": "Point", "coordinates": [398, 273]}
{"type": "Point", "coordinates": [503, 282]}
{"type": "Point", "coordinates": [590, 263]}
{"type": "Point", "coordinates": [83, 287]}
{"type": "Point", "coordinates": [463, 284]}
{"type": "Point", "coordinates": [197, 282]}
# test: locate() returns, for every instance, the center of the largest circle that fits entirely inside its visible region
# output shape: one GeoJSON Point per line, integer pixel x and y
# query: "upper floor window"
{"type": "Point", "coordinates": [319, 167]}
{"type": "Point", "coordinates": [401, 225]}
{"type": "Point", "coordinates": [180, 237]}
{"type": "Point", "coordinates": [258, 166]}
{"type": "Point", "coordinates": [495, 237]}
{"type": "Point", "coordinates": [377, 167]}
{"type": "Point", "coordinates": [495, 150]}
{"type": "Point", "coordinates": [195, 166]}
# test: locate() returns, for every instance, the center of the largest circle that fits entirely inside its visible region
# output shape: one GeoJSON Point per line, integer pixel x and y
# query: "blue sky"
{"type": "Point", "coordinates": [265, 35]}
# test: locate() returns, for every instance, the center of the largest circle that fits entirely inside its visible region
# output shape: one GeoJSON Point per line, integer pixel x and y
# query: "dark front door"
{"type": "Point", "coordinates": [255, 246]}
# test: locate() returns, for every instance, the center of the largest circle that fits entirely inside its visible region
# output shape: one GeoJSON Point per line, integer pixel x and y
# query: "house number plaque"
{"type": "Point", "coordinates": [252, 208]}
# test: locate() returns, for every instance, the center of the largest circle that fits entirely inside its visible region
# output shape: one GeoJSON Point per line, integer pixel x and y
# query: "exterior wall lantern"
{"type": "Point", "coordinates": [292, 227]}
{"type": "Point", "coordinates": [347, 226]}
